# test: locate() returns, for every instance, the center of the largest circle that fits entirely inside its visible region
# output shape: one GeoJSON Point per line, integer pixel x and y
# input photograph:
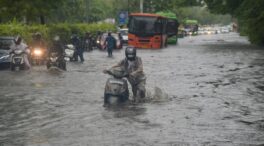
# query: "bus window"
{"type": "Point", "coordinates": [145, 25]}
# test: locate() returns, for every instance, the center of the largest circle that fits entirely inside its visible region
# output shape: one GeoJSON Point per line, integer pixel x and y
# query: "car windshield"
{"type": "Point", "coordinates": [145, 25]}
{"type": "Point", "coordinates": [5, 44]}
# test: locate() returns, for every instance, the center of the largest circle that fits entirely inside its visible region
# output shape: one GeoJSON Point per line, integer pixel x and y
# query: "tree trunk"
{"type": "Point", "coordinates": [42, 20]}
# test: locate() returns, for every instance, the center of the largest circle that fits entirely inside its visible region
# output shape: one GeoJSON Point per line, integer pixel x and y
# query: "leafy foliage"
{"type": "Point", "coordinates": [168, 5]}
{"type": "Point", "coordinates": [49, 31]}
{"type": "Point", "coordinates": [27, 9]}
{"type": "Point", "coordinates": [250, 15]}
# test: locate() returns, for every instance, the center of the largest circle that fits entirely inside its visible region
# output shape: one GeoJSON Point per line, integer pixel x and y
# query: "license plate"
{"type": "Point", "coordinates": [17, 60]}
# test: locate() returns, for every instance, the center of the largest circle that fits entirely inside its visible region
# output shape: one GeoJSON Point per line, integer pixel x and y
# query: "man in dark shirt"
{"type": "Point", "coordinates": [110, 44]}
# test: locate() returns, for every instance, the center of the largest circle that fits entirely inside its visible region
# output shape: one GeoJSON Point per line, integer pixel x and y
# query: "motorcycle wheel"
{"type": "Point", "coordinates": [48, 65]}
{"type": "Point", "coordinates": [62, 66]}
{"type": "Point", "coordinates": [111, 100]}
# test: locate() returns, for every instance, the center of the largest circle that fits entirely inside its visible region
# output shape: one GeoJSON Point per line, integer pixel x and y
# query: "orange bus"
{"type": "Point", "coordinates": [147, 31]}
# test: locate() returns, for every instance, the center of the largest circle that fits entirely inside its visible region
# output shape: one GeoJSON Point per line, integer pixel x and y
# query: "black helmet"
{"type": "Point", "coordinates": [38, 35]}
{"type": "Point", "coordinates": [74, 36]}
{"type": "Point", "coordinates": [56, 38]}
{"type": "Point", "coordinates": [131, 53]}
{"type": "Point", "coordinates": [18, 40]}
{"type": "Point", "coordinates": [99, 32]}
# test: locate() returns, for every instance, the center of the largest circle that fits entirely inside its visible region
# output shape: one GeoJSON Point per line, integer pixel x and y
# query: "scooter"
{"type": "Point", "coordinates": [70, 51]}
{"type": "Point", "coordinates": [56, 61]}
{"type": "Point", "coordinates": [116, 88]}
{"type": "Point", "coordinates": [17, 60]}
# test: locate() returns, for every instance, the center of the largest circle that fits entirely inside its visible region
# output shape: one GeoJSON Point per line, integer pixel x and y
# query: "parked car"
{"type": "Point", "coordinates": [201, 31]}
{"type": "Point", "coordinates": [5, 43]}
{"type": "Point", "coordinates": [124, 33]}
{"type": "Point", "coordinates": [103, 43]}
{"type": "Point", "coordinates": [224, 30]}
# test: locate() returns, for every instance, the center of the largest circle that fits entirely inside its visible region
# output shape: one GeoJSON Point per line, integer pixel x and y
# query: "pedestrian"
{"type": "Point", "coordinates": [79, 49]}
{"type": "Point", "coordinates": [110, 44]}
{"type": "Point", "coordinates": [132, 64]}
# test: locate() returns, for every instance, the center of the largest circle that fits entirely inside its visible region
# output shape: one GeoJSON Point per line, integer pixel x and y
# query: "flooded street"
{"type": "Point", "coordinates": [215, 90]}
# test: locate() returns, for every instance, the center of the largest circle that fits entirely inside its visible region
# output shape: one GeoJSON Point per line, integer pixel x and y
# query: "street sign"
{"type": "Point", "coordinates": [123, 16]}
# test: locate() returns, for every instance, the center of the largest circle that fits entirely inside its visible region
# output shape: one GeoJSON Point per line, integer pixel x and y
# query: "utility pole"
{"type": "Point", "coordinates": [141, 6]}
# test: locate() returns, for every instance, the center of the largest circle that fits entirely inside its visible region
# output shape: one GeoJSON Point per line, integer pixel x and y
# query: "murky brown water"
{"type": "Point", "coordinates": [216, 97]}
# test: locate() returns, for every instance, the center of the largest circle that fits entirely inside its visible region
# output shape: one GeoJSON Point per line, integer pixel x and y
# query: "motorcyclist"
{"type": "Point", "coordinates": [97, 40]}
{"type": "Point", "coordinates": [87, 42]}
{"type": "Point", "coordinates": [19, 45]}
{"type": "Point", "coordinates": [121, 39]}
{"type": "Point", "coordinates": [132, 64]}
{"type": "Point", "coordinates": [98, 35]}
{"type": "Point", "coordinates": [38, 42]}
{"type": "Point", "coordinates": [57, 47]}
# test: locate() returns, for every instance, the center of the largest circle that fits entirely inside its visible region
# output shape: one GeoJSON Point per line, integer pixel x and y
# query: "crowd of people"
{"type": "Point", "coordinates": [132, 64]}
{"type": "Point", "coordinates": [81, 44]}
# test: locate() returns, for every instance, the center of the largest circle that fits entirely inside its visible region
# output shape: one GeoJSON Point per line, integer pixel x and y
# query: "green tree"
{"type": "Point", "coordinates": [250, 15]}
{"type": "Point", "coordinates": [27, 10]}
{"type": "Point", "coordinates": [201, 14]}
{"type": "Point", "coordinates": [168, 5]}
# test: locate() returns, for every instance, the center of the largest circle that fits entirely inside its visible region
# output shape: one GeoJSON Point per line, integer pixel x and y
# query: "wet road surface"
{"type": "Point", "coordinates": [213, 94]}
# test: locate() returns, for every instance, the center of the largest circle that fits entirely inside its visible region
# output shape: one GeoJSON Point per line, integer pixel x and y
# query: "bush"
{"type": "Point", "coordinates": [64, 30]}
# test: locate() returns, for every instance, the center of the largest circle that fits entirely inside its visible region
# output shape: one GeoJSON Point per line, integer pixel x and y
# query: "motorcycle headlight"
{"type": "Point", "coordinates": [98, 41]}
{"type": "Point", "coordinates": [37, 52]}
{"type": "Point", "coordinates": [18, 51]}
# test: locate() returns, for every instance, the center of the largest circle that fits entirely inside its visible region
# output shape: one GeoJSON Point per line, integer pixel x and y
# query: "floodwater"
{"type": "Point", "coordinates": [213, 94]}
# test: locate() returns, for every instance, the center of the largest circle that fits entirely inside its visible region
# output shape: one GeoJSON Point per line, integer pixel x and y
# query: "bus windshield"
{"type": "Point", "coordinates": [141, 25]}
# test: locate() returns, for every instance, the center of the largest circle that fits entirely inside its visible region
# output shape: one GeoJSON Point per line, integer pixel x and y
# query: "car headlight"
{"type": "Point", "coordinates": [4, 57]}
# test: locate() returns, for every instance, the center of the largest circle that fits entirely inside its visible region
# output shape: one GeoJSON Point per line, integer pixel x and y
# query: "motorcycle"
{"type": "Point", "coordinates": [70, 51]}
{"type": "Point", "coordinates": [96, 42]}
{"type": "Point", "coordinates": [56, 61]}
{"type": "Point", "coordinates": [116, 88]}
{"type": "Point", "coordinates": [17, 60]}
{"type": "Point", "coordinates": [38, 56]}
